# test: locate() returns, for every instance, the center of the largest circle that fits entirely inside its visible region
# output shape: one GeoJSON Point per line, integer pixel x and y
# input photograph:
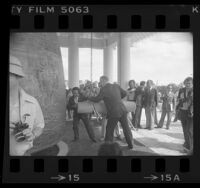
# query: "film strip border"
{"type": "Point", "coordinates": [87, 165]}
{"type": "Point", "coordinates": [94, 169]}
{"type": "Point", "coordinates": [104, 18]}
{"type": "Point", "coordinates": [105, 169]}
{"type": "Point", "coordinates": [88, 22]}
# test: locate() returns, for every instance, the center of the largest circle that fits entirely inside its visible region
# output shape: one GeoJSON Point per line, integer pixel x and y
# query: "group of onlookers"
{"type": "Point", "coordinates": [145, 96]}
{"type": "Point", "coordinates": [182, 106]}
{"type": "Point", "coordinates": [27, 121]}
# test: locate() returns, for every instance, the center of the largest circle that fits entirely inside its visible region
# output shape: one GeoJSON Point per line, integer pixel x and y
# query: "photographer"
{"type": "Point", "coordinates": [26, 118]}
{"type": "Point", "coordinates": [185, 113]}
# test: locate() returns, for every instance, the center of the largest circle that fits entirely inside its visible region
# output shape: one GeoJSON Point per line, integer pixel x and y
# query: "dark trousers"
{"type": "Point", "coordinates": [163, 115]}
{"type": "Point", "coordinates": [112, 123]}
{"type": "Point", "coordinates": [138, 113]}
{"type": "Point", "coordinates": [86, 122]}
{"type": "Point", "coordinates": [190, 124]}
{"type": "Point", "coordinates": [187, 124]}
{"type": "Point", "coordinates": [155, 117]}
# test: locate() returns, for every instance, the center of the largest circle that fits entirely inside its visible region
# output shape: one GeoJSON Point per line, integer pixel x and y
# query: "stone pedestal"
{"type": "Point", "coordinates": [41, 59]}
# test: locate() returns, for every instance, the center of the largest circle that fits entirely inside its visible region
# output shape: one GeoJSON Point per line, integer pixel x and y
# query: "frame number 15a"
{"type": "Point", "coordinates": [170, 178]}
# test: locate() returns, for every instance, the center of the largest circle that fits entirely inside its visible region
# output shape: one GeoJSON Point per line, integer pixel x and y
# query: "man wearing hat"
{"type": "Point", "coordinates": [26, 117]}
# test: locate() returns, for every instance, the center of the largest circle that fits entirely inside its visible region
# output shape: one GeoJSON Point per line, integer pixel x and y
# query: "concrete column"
{"type": "Point", "coordinates": [124, 64]}
{"type": "Point", "coordinates": [108, 69]}
{"type": "Point", "coordinates": [73, 61]}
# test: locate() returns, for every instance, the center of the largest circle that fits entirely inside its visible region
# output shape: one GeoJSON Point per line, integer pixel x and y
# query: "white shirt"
{"type": "Point", "coordinates": [27, 105]}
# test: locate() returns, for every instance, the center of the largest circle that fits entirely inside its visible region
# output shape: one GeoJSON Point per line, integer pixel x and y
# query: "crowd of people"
{"type": "Point", "coordinates": [145, 95]}
{"type": "Point", "coordinates": [87, 89]}
{"type": "Point", "coordinates": [27, 121]}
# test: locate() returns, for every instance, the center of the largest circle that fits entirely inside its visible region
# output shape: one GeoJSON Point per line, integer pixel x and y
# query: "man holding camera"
{"type": "Point", "coordinates": [26, 117]}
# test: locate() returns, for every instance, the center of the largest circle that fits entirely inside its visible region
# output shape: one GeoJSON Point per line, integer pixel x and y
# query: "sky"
{"type": "Point", "coordinates": [163, 57]}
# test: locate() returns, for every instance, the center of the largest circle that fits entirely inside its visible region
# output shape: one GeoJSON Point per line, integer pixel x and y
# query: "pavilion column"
{"type": "Point", "coordinates": [124, 63]}
{"type": "Point", "coordinates": [73, 61]}
{"type": "Point", "coordinates": [108, 68]}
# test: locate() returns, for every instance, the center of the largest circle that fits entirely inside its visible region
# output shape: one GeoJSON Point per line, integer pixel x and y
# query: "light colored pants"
{"type": "Point", "coordinates": [169, 117]}
{"type": "Point", "coordinates": [150, 115]}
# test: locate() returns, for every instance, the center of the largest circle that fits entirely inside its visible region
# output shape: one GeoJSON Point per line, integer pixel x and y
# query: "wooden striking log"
{"type": "Point", "coordinates": [88, 107]}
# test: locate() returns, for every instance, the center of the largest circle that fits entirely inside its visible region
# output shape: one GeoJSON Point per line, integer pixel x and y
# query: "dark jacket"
{"type": "Point", "coordinates": [139, 96]}
{"type": "Point", "coordinates": [73, 106]}
{"type": "Point", "coordinates": [150, 98]}
{"type": "Point", "coordinates": [182, 98]}
{"type": "Point", "coordinates": [112, 94]}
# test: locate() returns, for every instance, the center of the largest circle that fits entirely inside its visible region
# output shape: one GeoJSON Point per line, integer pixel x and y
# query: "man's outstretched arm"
{"type": "Point", "coordinates": [98, 98]}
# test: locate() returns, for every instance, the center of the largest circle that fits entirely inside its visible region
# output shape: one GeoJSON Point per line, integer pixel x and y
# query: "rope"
{"type": "Point", "coordinates": [98, 116]}
{"type": "Point", "coordinates": [91, 59]}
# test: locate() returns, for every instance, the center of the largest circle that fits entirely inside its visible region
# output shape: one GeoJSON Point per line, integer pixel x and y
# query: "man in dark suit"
{"type": "Point", "coordinates": [150, 103]}
{"type": "Point", "coordinates": [185, 113]}
{"type": "Point", "coordinates": [112, 94]}
{"type": "Point", "coordinates": [73, 105]}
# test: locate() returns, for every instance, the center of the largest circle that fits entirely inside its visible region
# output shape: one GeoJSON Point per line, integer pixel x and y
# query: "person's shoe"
{"type": "Point", "coordinates": [158, 127]}
{"type": "Point", "coordinates": [94, 140]}
{"type": "Point", "coordinates": [167, 128]}
{"type": "Point", "coordinates": [190, 152]}
{"type": "Point", "coordinates": [130, 147]}
{"type": "Point", "coordinates": [186, 150]}
{"type": "Point", "coordinates": [102, 139]}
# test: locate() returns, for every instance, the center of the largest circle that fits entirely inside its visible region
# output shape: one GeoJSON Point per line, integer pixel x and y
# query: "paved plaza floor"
{"type": "Point", "coordinates": [158, 141]}
{"type": "Point", "coordinates": [162, 141]}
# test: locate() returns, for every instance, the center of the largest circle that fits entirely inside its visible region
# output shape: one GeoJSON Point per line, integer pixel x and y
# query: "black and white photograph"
{"type": "Point", "coordinates": [101, 94]}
